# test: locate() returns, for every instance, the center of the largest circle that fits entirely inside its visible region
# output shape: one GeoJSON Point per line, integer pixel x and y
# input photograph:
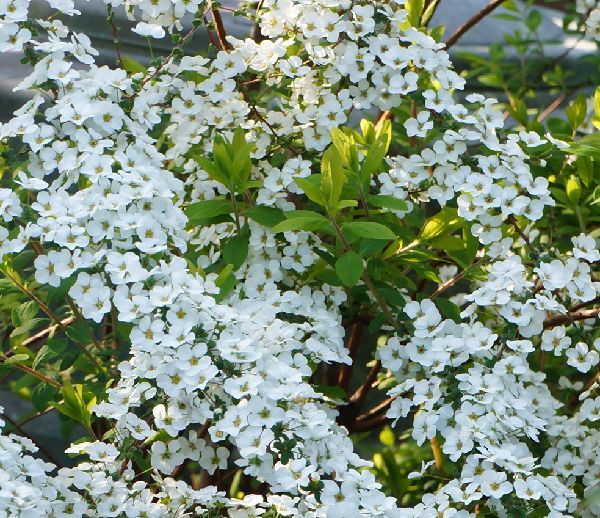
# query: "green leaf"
{"type": "Point", "coordinates": [235, 251]}
{"type": "Point", "coordinates": [588, 145]}
{"type": "Point", "coordinates": [533, 20]}
{"type": "Point", "coordinates": [349, 268]}
{"type": "Point", "coordinates": [443, 222]}
{"type": "Point", "coordinates": [227, 285]}
{"type": "Point", "coordinates": [387, 437]}
{"type": "Point", "coordinates": [266, 216]}
{"type": "Point", "coordinates": [132, 66]}
{"type": "Point", "coordinates": [24, 313]}
{"type": "Point", "coordinates": [41, 396]}
{"type": "Point", "coordinates": [27, 326]}
{"type": "Point", "coordinates": [585, 169]}
{"type": "Point", "coordinates": [376, 152]}
{"type": "Point", "coordinates": [49, 350]}
{"type": "Point", "coordinates": [311, 186]}
{"type": "Point", "coordinates": [414, 9]}
{"type": "Point", "coordinates": [17, 358]}
{"type": "Point", "coordinates": [573, 189]}
{"type": "Point", "coordinates": [7, 287]}
{"type": "Point", "coordinates": [331, 392]}
{"type": "Point", "coordinates": [76, 404]}
{"type": "Point", "coordinates": [368, 229]}
{"type": "Point", "coordinates": [80, 332]}
{"type": "Point", "coordinates": [449, 243]}
{"type": "Point", "coordinates": [507, 17]}
{"type": "Point", "coordinates": [212, 170]}
{"type": "Point", "coordinates": [576, 112]}
{"type": "Point", "coordinates": [345, 145]}
{"type": "Point", "coordinates": [368, 131]}
{"type": "Point", "coordinates": [429, 11]}
{"type": "Point", "coordinates": [303, 220]}
{"type": "Point", "coordinates": [206, 209]}
{"type": "Point", "coordinates": [448, 309]}
{"type": "Point", "coordinates": [332, 177]}
{"type": "Point", "coordinates": [387, 202]}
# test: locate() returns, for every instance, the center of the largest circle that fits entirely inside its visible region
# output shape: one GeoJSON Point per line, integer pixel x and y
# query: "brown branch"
{"type": "Point", "coordinates": [376, 410]}
{"type": "Point", "coordinates": [34, 373]}
{"type": "Point", "coordinates": [469, 24]}
{"type": "Point", "coordinates": [221, 34]}
{"type": "Point", "coordinates": [353, 341]}
{"type": "Point", "coordinates": [36, 415]}
{"type": "Point", "coordinates": [358, 398]}
{"type": "Point", "coordinates": [443, 287]}
{"type": "Point", "coordinates": [511, 219]}
{"type": "Point", "coordinates": [48, 331]}
{"type": "Point", "coordinates": [366, 426]}
{"type": "Point", "coordinates": [571, 317]}
{"type": "Point", "coordinates": [552, 106]}
{"type": "Point", "coordinates": [580, 305]}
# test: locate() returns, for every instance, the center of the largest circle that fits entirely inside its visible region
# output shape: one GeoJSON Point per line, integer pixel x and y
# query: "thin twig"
{"type": "Point", "coordinates": [513, 222]}
{"type": "Point", "coordinates": [366, 426]}
{"type": "Point", "coordinates": [48, 331]}
{"type": "Point", "coordinates": [584, 314]}
{"type": "Point", "coordinates": [37, 300]}
{"type": "Point", "coordinates": [115, 35]}
{"type": "Point", "coordinates": [552, 106]}
{"type": "Point", "coordinates": [451, 282]}
{"type": "Point", "coordinates": [34, 373]}
{"type": "Point", "coordinates": [469, 24]}
{"type": "Point", "coordinates": [376, 410]}
{"type": "Point", "coordinates": [36, 415]}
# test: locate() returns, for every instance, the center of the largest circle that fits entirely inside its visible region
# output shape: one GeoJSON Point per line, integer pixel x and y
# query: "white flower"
{"type": "Point", "coordinates": [149, 30]}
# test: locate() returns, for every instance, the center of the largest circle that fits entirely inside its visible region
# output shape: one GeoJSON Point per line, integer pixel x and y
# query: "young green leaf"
{"type": "Point", "coordinates": [50, 350]}
{"type": "Point", "coordinates": [235, 251]}
{"type": "Point", "coordinates": [206, 209]}
{"type": "Point", "coordinates": [573, 188]}
{"type": "Point", "coordinates": [332, 177]}
{"type": "Point", "coordinates": [303, 220]}
{"type": "Point", "coordinates": [349, 268]}
{"type": "Point", "coordinates": [266, 216]}
{"type": "Point", "coordinates": [312, 188]}
{"type": "Point", "coordinates": [576, 112]}
{"type": "Point", "coordinates": [387, 202]}
{"type": "Point", "coordinates": [368, 229]}
{"type": "Point", "coordinates": [444, 222]}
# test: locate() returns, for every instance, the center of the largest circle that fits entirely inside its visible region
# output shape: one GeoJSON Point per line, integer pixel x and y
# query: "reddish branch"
{"type": "Point", "coordinates": [34, 373]}
{"type": "Point", "coordinates": [376, 410]}
{"type": "Point", "coordinates": [443, 287]}
{"type": "Point", "coordinates": [360, 395]}
{"type": "Point", "coordinates": [368, 425]}
{"type": "Point", "coordinates": [469, 24]}
{"type": "Point", "coordinates": [511, 219]}
{"type": "Point", "coordinates": [572, 316]}
{"type": "Point", "coordinates": [47, 331]}
{"type": "Point", "coordinates": [353, 341]}
{"type": "Point", "coordinates": [221, 34]}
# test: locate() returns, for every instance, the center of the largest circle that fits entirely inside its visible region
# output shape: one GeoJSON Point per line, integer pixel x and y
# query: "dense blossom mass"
{"type": "Point", "coordinates": [223, 379]}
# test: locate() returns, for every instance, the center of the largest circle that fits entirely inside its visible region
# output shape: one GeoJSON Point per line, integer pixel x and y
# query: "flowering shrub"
{"type": "Point", "coordinates": [194, 254]}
